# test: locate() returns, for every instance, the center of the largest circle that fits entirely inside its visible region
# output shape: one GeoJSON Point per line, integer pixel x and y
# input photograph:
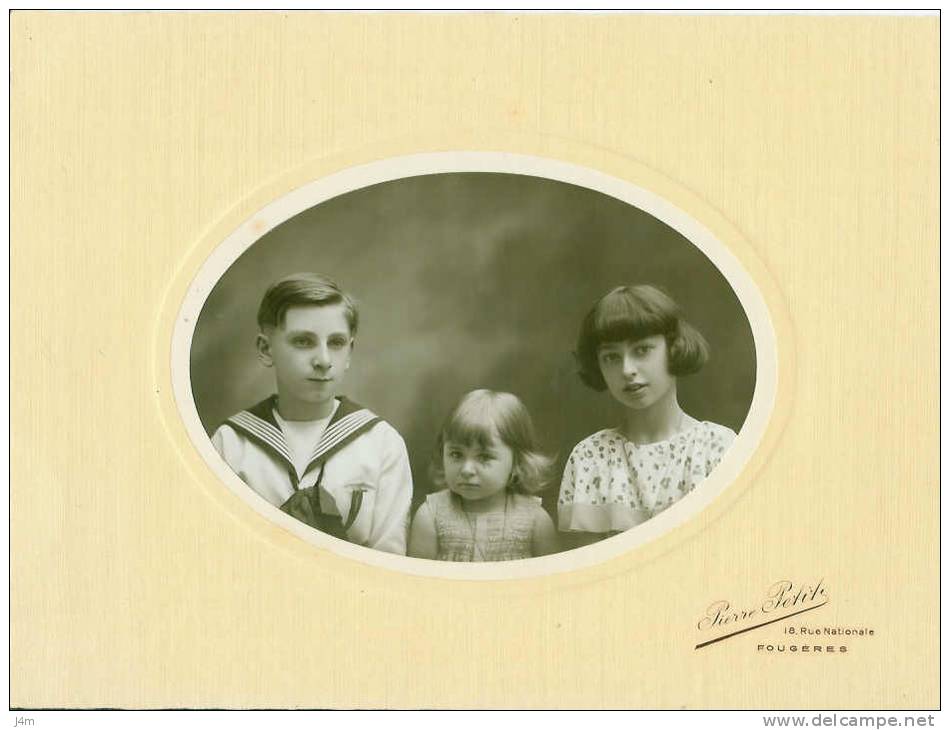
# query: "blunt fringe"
{"type": "Point", "coordinates": [304, 289]}
{"type": "Point", "coordinates": [480, 415]}
{"type": "Point", "coordinates": [631, 313]}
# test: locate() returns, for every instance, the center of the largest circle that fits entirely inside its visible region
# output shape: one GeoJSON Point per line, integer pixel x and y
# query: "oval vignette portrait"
{"type": "Point", "coordinates": [490, 370]}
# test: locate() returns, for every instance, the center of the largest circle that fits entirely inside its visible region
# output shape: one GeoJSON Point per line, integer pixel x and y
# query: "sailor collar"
{"type": "Point", "coordinates": [258, 424]}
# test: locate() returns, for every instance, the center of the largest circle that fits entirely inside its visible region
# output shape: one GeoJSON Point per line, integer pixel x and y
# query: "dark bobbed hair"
{"type": "Point", "coordinates": [304, 289]}
{"type": "Point", "coordinates": [632, 313]}
{"type": "Point", "coordinates": [478, 417]}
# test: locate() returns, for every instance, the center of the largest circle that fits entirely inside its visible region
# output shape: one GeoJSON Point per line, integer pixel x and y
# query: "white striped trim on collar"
{"type": "Point", "coordinates": [264, 431]}
{"type": "Point", "coordinates": [340, 430]}
{"type": "Point", "coordinates": [334, 435]}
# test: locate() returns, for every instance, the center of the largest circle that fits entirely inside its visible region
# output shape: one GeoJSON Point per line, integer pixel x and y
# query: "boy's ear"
{"type": "Point", "coordinates": [350, 355]}
{"type": "Point", "coordinates": [263, 350]}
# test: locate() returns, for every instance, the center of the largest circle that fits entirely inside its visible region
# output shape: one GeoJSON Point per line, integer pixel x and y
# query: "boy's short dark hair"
{"type": "Point", "coordinates": [304, 289]}
{"type": "Point", "coordinates": [632, 313]}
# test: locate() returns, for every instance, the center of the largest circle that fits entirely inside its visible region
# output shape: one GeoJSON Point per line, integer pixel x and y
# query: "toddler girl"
{"type": "Point", "coordinates": [488, 459]}
{"type": "Point", "coordinates": [634, 343]}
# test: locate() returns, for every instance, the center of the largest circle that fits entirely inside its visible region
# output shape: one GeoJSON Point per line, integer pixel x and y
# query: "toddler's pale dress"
{"type": "Point", "coordinates": [470, 536]}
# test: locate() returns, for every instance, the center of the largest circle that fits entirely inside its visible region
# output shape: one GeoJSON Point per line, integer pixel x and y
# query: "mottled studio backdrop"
{"type": "Point", "coordinates": [474, 280]}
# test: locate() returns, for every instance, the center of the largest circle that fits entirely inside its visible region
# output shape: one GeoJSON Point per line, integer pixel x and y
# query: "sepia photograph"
{"type": "Point", "coordinates": [472, 366]}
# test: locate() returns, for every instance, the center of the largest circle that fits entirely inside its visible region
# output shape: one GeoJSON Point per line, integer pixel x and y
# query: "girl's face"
{"type": "Point", "coordinates": [637, 371]}
{"type": "Point", "coordinates": [477, 472]}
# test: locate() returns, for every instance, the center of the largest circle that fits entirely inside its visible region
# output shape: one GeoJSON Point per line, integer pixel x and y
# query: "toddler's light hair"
{"type": "Point", "coordinates": [483, 414]}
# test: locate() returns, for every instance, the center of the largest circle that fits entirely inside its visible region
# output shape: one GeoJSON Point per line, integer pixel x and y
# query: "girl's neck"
{"type": "Point", "coordinates": [661, 421]}
{"type": "Point", "coordinates": [495, 503]}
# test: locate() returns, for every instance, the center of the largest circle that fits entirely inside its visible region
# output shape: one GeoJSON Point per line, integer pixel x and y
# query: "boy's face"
{"type": "Point", "coordinates": [310, 353]}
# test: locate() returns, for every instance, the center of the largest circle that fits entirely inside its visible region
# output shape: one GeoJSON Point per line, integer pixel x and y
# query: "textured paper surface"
{"type": "Point", "coordinates": [808, 145]}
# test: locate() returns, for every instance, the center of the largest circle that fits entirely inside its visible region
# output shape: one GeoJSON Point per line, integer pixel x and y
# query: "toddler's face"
{"type": "Point", "coordinates": [477, 472]}
{"type": "Point", "coordinates": [310, 353]}
{"type": "Point", "coordinates": [636, 371]}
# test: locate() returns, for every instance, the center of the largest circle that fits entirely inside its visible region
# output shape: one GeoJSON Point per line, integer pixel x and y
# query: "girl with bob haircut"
{"type": "Point", "coordinates": [635, 344]}
{"type": "Point", "coordinates": [488, 465]}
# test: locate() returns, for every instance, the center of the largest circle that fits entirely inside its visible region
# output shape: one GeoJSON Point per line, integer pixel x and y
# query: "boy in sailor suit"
{"type": "Point", "coordinates": [316, 455]}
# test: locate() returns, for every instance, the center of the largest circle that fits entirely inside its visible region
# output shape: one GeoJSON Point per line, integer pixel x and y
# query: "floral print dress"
{"type": "Point", "coordinates": [611, 484]}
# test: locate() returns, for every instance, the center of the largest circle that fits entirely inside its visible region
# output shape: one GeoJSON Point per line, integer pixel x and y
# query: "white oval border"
{"type": "Point", "coordinates": [394, 168]}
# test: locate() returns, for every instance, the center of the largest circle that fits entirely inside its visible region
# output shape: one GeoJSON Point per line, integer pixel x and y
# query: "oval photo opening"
{"type": "Point", "coordinates": [466, 367]}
